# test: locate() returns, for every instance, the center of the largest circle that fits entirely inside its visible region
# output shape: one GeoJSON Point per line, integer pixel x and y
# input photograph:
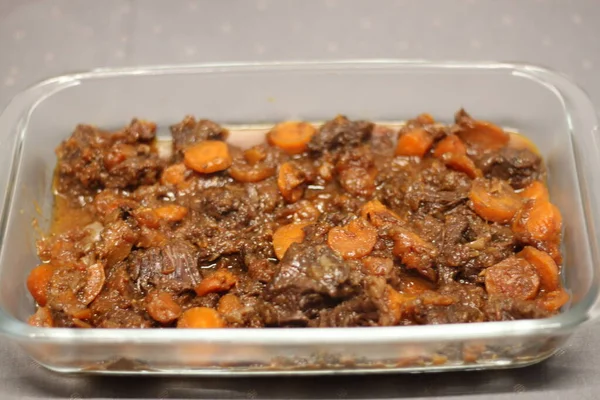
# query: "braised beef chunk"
{"type": "Point", "coordinates": [350, 224]}
{"type": "Point", "coordinates": [341, 132]}
{"type": "Point", "coordinates": [519, 167]}
{"type": "Point", "coordinates": [92, 159]}
{"type": "Point", "coordinates": [189, 132]}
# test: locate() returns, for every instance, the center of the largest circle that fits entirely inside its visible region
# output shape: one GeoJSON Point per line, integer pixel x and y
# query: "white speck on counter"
{"type": "Point", "coordinates": [365, 23]}
{"type": "Point", "coordinates": [475, 44]}
{"type": "Point", "coordinates": [226, 27]}
{"type": "Point", "coordinates": [507, 20]}
{"type": "Point", "coordinates": [18, 34]}
{"type": "Point", "coordinates": [9, 81]}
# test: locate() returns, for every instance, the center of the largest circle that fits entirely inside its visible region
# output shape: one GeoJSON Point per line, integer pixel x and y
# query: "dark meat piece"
{"type": "Point", "coordinates": [91, 159]}
{"type": "Point", "coordinates": [189, 132]}
{"type": "Point", "coordinates": [340, 132]}
{"type": "Point", "coordinates": [465, 305]}
{"type": "Point", "coordinates": [519, 167]}
{"type": "Point", "coordinates": [172, 268]}
{"type": "Point", "coordinates": [501, 308]}
{"type": "Point", "coordinates": [309, 279]}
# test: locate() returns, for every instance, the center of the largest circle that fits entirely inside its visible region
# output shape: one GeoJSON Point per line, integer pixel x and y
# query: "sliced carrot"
{"type": "Point", "coordinates": [545, 266]}
{"type": "Point", "coordinates": [415, 285]}
{"type": "Point", "coordinates": [173, 174]}
{"type": "Point", "coordinates": [481, 134]}
{"type": "Point", "coordinates": [414, 252]}
{"type": "Point", "coordinates": [354, 240]}
{"type": "Point", "coordinates": [255, 154]}
{"type": "Point", "coordinates": [229, 303]}
{"type": "Point", "coordinates": [514, 277]}
{"type": "Point", "coordinates": [285, 235]}
{"type": "Point", "coordinates": [94, 283]}
{"type": "Point", "coordinates": [146, 217]}
{"type": "Point", "coordinates": [37, 282]}
{"type": "Point", "coordinates": [553, 301]}
{"type": "Point", "coordinates": [152, 217]}
{"type": "Point", "coordinates": [162, 307]}
{"type": "Point", "coordinates": [398, 304]}
{"type": "Point", "coordinates": [378, 214]}
{"type": "Point", "coordinates": [415, 142]}
{"type": "Point", "coordinates": [42, 318]}
{"type": "Point", "coordinates": [171, 212]}
{"type": "Point", "coordinates": [450, 144]}
{"type": "Point", "coordinates": [462, 163]}
{"type": "Point", "coordinates": [494, 200]}
{"type": "Point", "coordinates": [289, 182]}
{"type": "Point", "coordinates": [200, 317]}
{"type": "Point", "coordinates": [538, 220]}
{"type": "Point", "coordinates": [534, 191]}
{"type": "Point", "coordinates": [208, 156]}
{"type": "Point", "coordinates": [377, 266]}
{"type": "Point", "coordinates": [425, 119]}
{"type": "Point", "coordinates": [220, 281]}
{"type": "Point", "coordinates": [256, 172]}
{"type": "Point", "coordinates": [291, 136]}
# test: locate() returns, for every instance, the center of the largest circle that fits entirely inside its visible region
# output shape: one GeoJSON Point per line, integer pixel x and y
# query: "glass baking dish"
{"type": "Point", "coordinates": [542, 104]}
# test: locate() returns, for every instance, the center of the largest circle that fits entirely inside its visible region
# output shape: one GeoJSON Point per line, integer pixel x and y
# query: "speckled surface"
{"type": "Point", "coordinates": [41, 39]}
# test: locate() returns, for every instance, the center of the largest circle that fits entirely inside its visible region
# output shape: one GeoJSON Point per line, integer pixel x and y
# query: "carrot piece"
{"type": "Point", "coordinates": [377, 266]}
{"type": "Point", "coordinates": [415, 285]}
{"type": "Point", "coordinates": [289, 180]}
{"type": "Point", "coordinates": [285, 235]}
{"type": "Point", "coordinates": [534, 191]}
{"type": "Point", "coordinates": [398, 304]}
{"type": "Point", "coordinates": [173, 174]}
{"type": "Point", "coordinates": [243, 172]}
{"type": "Point", "coordinates": [255, 154]}
{"type": "Point", "coordinates": [414, 252]}
{"type": "Point", "coordinates": [514, 277]}
{"type": "Point", "coordinates": [200, 317]}
{"type": "Point", "coordinates": [146, 217]}
{"type": "Point", "coordinates": [545, 266]}
{"type": "Point", "coordinates": [162, 307]}
{"type": "Point", "coordinates": [425, 119]}
{"type": "Point", "coordinates": [415, 142]}
{"type": "Point", "coordinates": [207, 157]}
{"type": "Point", "coordinates": [171, 212]}
{"type": "Point", "coordinates": [462, 163]}
{"type": "Point", "coordinates": [354, 240]}
{"type": "Point", "coordinates": [553, 301]}
{"type": "Point", "coordinates": [152, 217]}
{"type": "Point", "coordinates": [291, 136]}
{"type": "Point", "coordinates": [450, 144]}
{"type": "Point", "coordinates": [494, 200]}
{"type": "Point", "coordinates": [378, 214]}
{"type": "Point", "coordinates": [229, 303]}
{"type": "Point", "coordinates": [481, 134]}
{"type": "Point", "coordinates": [94, 283]}
{"type": "Point", "coordinates": [42, 318]}
{"type": "Point", "coordinates": [37, 282]}
{"type": "Point", "coordinates": [220, 281]}
{"type": "Point", "coordinates": [538, 220]}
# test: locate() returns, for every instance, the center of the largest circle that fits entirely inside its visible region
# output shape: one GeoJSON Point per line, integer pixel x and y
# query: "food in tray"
{"type": "Point", "coordinates": [348, 223]}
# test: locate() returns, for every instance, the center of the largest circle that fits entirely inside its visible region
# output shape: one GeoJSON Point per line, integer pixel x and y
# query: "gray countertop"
{"type": "Point", "coordinates": [40, 39]}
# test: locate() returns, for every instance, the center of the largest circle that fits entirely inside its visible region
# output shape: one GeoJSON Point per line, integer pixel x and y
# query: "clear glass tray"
{"type": "Point", "coordinates": [542, 104]}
